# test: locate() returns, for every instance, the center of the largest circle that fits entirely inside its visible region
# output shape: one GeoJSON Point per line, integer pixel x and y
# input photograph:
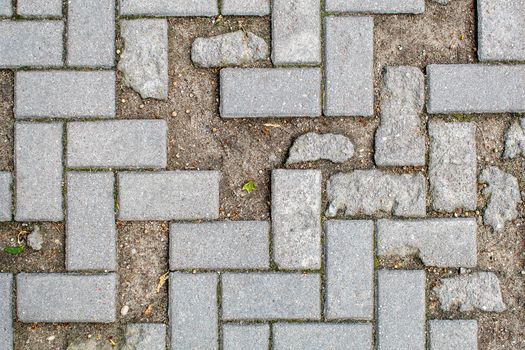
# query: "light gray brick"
{"type": "Point", "coordinates": [265, 92]}
{"type": "Point", "coordinates": [6, 311]}
{"type": "Point", "coordinates": [453, 334]}
{"type": "Point", "coordinates": [193, 311]}
{"type": "Point", "coordinates": [245, 7]}
{"type": "Point", "coordinates": [64, 94]}
{"type": "Point", "coordinates": [117, 144]}
{"type": "Point", "coordinates": [401, 309]}
{"type": "Point", "coordinates": [376, 6]}
{"type": "Point", "coordinates": [242, 337]}
{"type": "Point", "coordinates": [39, 169]}
{"type": "Point", "coordinates": [163, 8]}
{"type": "Point", "coordinates": [90, 225]}
{"type": "Point", "coordinates": [296, 218]}
{"type": "Point", "coordinates": [64, 298]}
{"type": "Point", "coordinates": [91, 33]}
{"type": "Point", "coordinates": [6, 8]}
{"type": "Point", "coordinates": [220, 245]}
{"type": "Point", "coordinates": [31, 43]}
{"type": "Point", "coordinates": [296, 32]}
{"type": "Point", "coordinates": [437, 242]}
{"type": "Point", "coordinates": [145, 336]}
{"type": "Point", "coordinates": [39, 8]}
{"type": "Point", "coordinates": [6, 202]}
{"type": "Point", "coordinates": [271, 296]}
{"type": "Point", "coordinates": [349, 78]}
{"type": "Point", "coordinates": [170, 195]}
{"type": "Point", "coordinates": [476, 88]}
{"type": "Point", "coordinates": [349, 269]}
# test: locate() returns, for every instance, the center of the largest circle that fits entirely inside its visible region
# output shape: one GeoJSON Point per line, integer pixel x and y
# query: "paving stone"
{"type": "Point", "coordinates": [296, 32]}
{"type": "Point", "coordinates": [169, 195]}
{"type": "Point", "coordinates": [476, 88]}
{"type": "Point", "coordinates": [399, 140]}
{"type": "Point", "coordinates": [515, 139]}
{"type": "Point", "coordinates": [38, 193]}
{"type": "Point", "coordinates": [296, 218]}
{"type": "Point", "coordinates": [45, 297]}
{"type": "Point", "coordinates": [453, 334]}
{"type": "Point", "coordinates": [271, 296]}
{"type": "Point", "coordinates": [91, 233]}
{"type": "Point", "coordinates": [6, 311]}
{"type": "Point", "coordinates": [245, 7]}
{"type": "Point", "coordinates": [349, 269]}
{"type": "Point", "coordinates": [376, 6]}
{"type": "Point", "coordinates": [91, 33]}
{"type": "Point", "coordinates": [349, 71]}
{"type": "Point", "coordinates": [163, 8]}
{"type": "Point", "coordinates": [369, 192]}
{"type": "Point", "coordinates": [453, 166]}
{"type": "Point", "coordinates": [270, 92]}
{"type": "Point", "coordinates": [144, 62]}
{"type": "Point", "coordinates": [145, 336]}
{"type": "Point", "coordinates": [117, 144]}
{"type": "Point", "coordinates": [401, 309]}
{"type": "Point", "coordinates": [6, 8]}
{"type": "Point", "coordinates": [64, 94]}
{"type": "Point", "coordinates": [313, 336]}
{"type": "Point", "coordinates": [241, 337]}
{"type": "Point", "coordinates": [193, 311]}
{"type": "Point", "coordinates": [31, 43]}
{"type": "Point", "coordinates": [220, 245]}
{"type": "Point", "coordinates": [437, 242]}
{"type": "Point", "coordinates": [39, 8]}
{"type": "Point", "coordinates": [312, 146]}
{"type": "Point", "coordinates": [6, 202]}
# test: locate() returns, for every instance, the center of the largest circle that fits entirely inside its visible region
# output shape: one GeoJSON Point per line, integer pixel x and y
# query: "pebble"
{"type": "Point", "coordinates": [124, 311]}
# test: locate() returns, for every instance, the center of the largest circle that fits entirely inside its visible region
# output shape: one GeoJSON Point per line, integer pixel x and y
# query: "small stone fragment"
{"type": "Point", "coordinates": [312, 146]}
{"type": "Point", "coordinates": [441, 2]}
{"type": "Point", "coordinates": [89, 344]}
{"type": "Point", "coordinates": [35, 239]}
{"type": "Point", "coordinates": [145, 336]}
{"type": "Point", "coordinates": [124, 311]}
{"type": "Point", "coordinates": [515, 139]}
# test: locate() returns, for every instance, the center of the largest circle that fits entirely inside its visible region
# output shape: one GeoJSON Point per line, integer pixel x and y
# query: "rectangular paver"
{"type": "Point", "coordinates": [476, 88]}
{"type": "Point", "coordinates": [245, 7]}
{"type": "Point", "coordinates": [90, 225]}
{"type": "Point", "coordinates": [145, 336]}
{"type": "Point", "coordinates": [6, 8]}
{"type": "Point", "coordinates": [6, 311]}
{"type": "Point", "coordinates": [39, 8]}
{"type": "Point", "coordinates": [270, 92]}
{"type": "Point", "coordinates": [242, 337]}
{"type": "Point", "coordinates": [6, 202]}
{"type": "Point", "coordinates": [376, 6]}
{"type": "Point", "coordinates": [64, 94]}
{"type": "Point", "coordinates": [349, 78]}
{"type": "Point", "coordinates": [43, 297]}
{"type": "Point", "coordinates": [117, 144]}
{"type": "Point", "coordinates": [220, 245]}
{"type": "Point", "coordinates": [38, 170]}
{"type": "Point", "coordinates": [179, 8]}
{"type": "Point", "coordinates": [453, 334]}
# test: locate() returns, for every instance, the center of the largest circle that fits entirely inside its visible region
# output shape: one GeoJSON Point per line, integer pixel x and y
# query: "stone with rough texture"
{"type": "Point", "coordinates": [441, 2]}
{"type": "Point", "coordinates": [311, 147]}
{"type": "Point", "coordinates": [39, 8]}
{"type": "Point", "coordinates": [144, 61]}
{"type": "Point", "coordinates": [230, 49]}
{"type": "Point", "coordinates": [35, 239]}
{"type": "Point", "coordinates": [376, 6]}
{"type": "Point", "coordinates": [515, 139]}
{"type": "Point", "coordinates": [6, 8]}
{"type": "Point", "coordinates": [6, 202]}
{"type": "Point", "coordinates": [369, 192]}
{"type": "Point", "coordinates": [245, 7]}
{"type": "Point", "coordinates": [163, 8]}
{"type": "Point", "coordinates": [6, 311]}
{"type": "Point", "coordinates": [145, 336]}
{"type": "Point", "coordinates": [313, 336]}
{"type": "Point", "coordinates": [242, 337]}
{"type": "Point", "coordinates": [453, 334]}
{"type": "Point", "coordinates": [89, 344]}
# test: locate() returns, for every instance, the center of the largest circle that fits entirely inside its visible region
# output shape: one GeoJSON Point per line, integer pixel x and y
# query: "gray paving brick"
{"type": "Point", "coordinates": [179, 8]}
{"type": "Point", "coordinates": [245, 7]}
{"type": "Point", "coordinates": [145, 336]}
{"type": "Point", "coordinates": [193, 311]}
{"type": "Point", "coordinates": [453, 334]}
{"type": "Point", "coordinates": [39, 8]}
{"type": "Point", "coordinates": [241, 337]}
{"type": "Point", "coordinates": [91, 33]}
{"type": "Point", "coordinates": [31, 43]}
{"type": "Point", "coordinates": [296, 218]}
{"type": "Point", "coordinates": [38, 168]}
{"type": "Point", "coordinates": [43, 297]}
{"type": "Point", "coordinates": [476, 88]}
{"type": "Point", "coordinates": [349, 78]}
{"type": "Point", "coordinates": [6, 202]}
{"type": "Point", "coordinates": [117, 144]}
{"type": "Point", "coordinates": [265, 92]}
{"type": "Point", "coordinates": [64, 94]}
{"type": "Point", "coordinates": [90, 225]}
{"type": "Point", "coordinates": [349, 269]}
{"type": "Point", "coordinates": [313, 336]}
{"type": "Point", "coordinates": [437, 242]}
{"type": "Point", "coordinates": [296, 32]}
{"type": "Point", "coordinates": [6, 8]}
{"type": "Point", "coordinates": [220, 245]}
{"type": "Point", "coordinates": [376, 6]}
{"type": "Point", "coordinates": [170, 195]}
{"type": "Point", "coordinates": [6, 311]}
{"type": "Point", "coordinates": [401, 309]}
{"type": "Point", "coordinates": [270, 296]}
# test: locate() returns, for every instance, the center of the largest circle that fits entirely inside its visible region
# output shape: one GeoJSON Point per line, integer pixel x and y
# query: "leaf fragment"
{"type": "Point", "coordinates": [15, 250]}
{"type": "Point", "coordinates": [249, 187]}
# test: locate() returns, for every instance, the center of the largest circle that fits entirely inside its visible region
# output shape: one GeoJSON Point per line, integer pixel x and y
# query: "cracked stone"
{"type": "Point", "coordinates": [35, 240]}
{"type": "Point", "coordinates": [312, 146]}
{"type": "Point", "coordinates": [515, 139]}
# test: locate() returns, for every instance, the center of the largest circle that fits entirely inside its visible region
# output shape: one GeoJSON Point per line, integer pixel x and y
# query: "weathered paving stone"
{"type": "Point", "coordinates": [230, 49]}
{"type": "Point", "coordinates": [515, 139]}
{"type": "Point", "coordinates": [90, 225]}
{"type": "Point", "coordinates": [296, 218]}
{"type": "Point", "coordinates": [220, 245]}
{"type": "Point", "coordinates": [144, 62]}
{"type": "Point", "coordinates": [38, 193]}
{"type": "Point", "coordinates": [163, 8]}
{"type": "Point", "coordinates": [349, 269]}
{"type": "Point", "coordinates": [452, 166]}
{"type": "Point", "coordinates": [376, 6]}
{"type": "Point", "coordinates": [117, 144]}
{"type": "Point", "coordinates": [64, 94]}
{"type": "Point", "coordinates": [6, 202]}
{"type": "Point", "coordinates": [401, 309]}
{"type": "Point", "coordinates": [193, 311]}
{"type": "Point", "coordinates": [437, 242]}
{"type": "Point", "coordinates": [6, 8]}
{"type": "Point", "coordinates": [245, 7]}
{"type": "Point", "coordinates": [476, 88]}
{"type": "Point", "coordinates": [39, 8]}
{"type": "Point", "coordinates": [349, 74]}
{"type": "Point", "coordinates": [145, 336]}
{"type": "Point", "coordinates": [270, 296]}
{"type": "Point", "coordinates": [311, 147]}
{"type": "Point", "coordinates": [322, 336]}
{"type": "Point", "coordinates": [65, 298]}
{"type": "Point", "coordinates": [453, 334]}
{"type": "Point", "coordinates": [399, 140]}
{"type": "Point", "coordinates": [91, 33]}
{"type": "Point", "coordinates": [31, 43]}
{"type": "Point", "coordinates": [241, 337]}
{"type": "Point", "coordinates": [270, 92]}
{"type": "Point", "coordinates": [369, 192]}
{"type": "Point", "coordinates": [170, 195]}
{"type": "Point", "coordinates": [6, 311]}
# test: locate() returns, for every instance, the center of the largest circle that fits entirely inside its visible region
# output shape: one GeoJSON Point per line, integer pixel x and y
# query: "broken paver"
{"type": "Point", "coordinates": [376, 6]}
{"type": "Point", "coordinates": [163, 8]}
{"type": "Point", "coordinates": [245, 7]}
{"type": "Point", "coordinates": [453, 334]}
{"type": "Point", "coordinates": [39, 8]}
{"type": "Point", "coordinates": [6, 203]}
{"type": "Point", "coordinates": [241, 337]}
{"type": "Point", "coordinates": [6, 8]}
{"type": "Point", "coordinates": [145, 336]}
{"type": "Point", "coordinates": [6, 311]}
{"type": "Point", "coordinates": [322, 336]}
{"type": "Point", "coordinates": [515, 139]}
{"type": "Point", "coordinates": [312, 146]}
